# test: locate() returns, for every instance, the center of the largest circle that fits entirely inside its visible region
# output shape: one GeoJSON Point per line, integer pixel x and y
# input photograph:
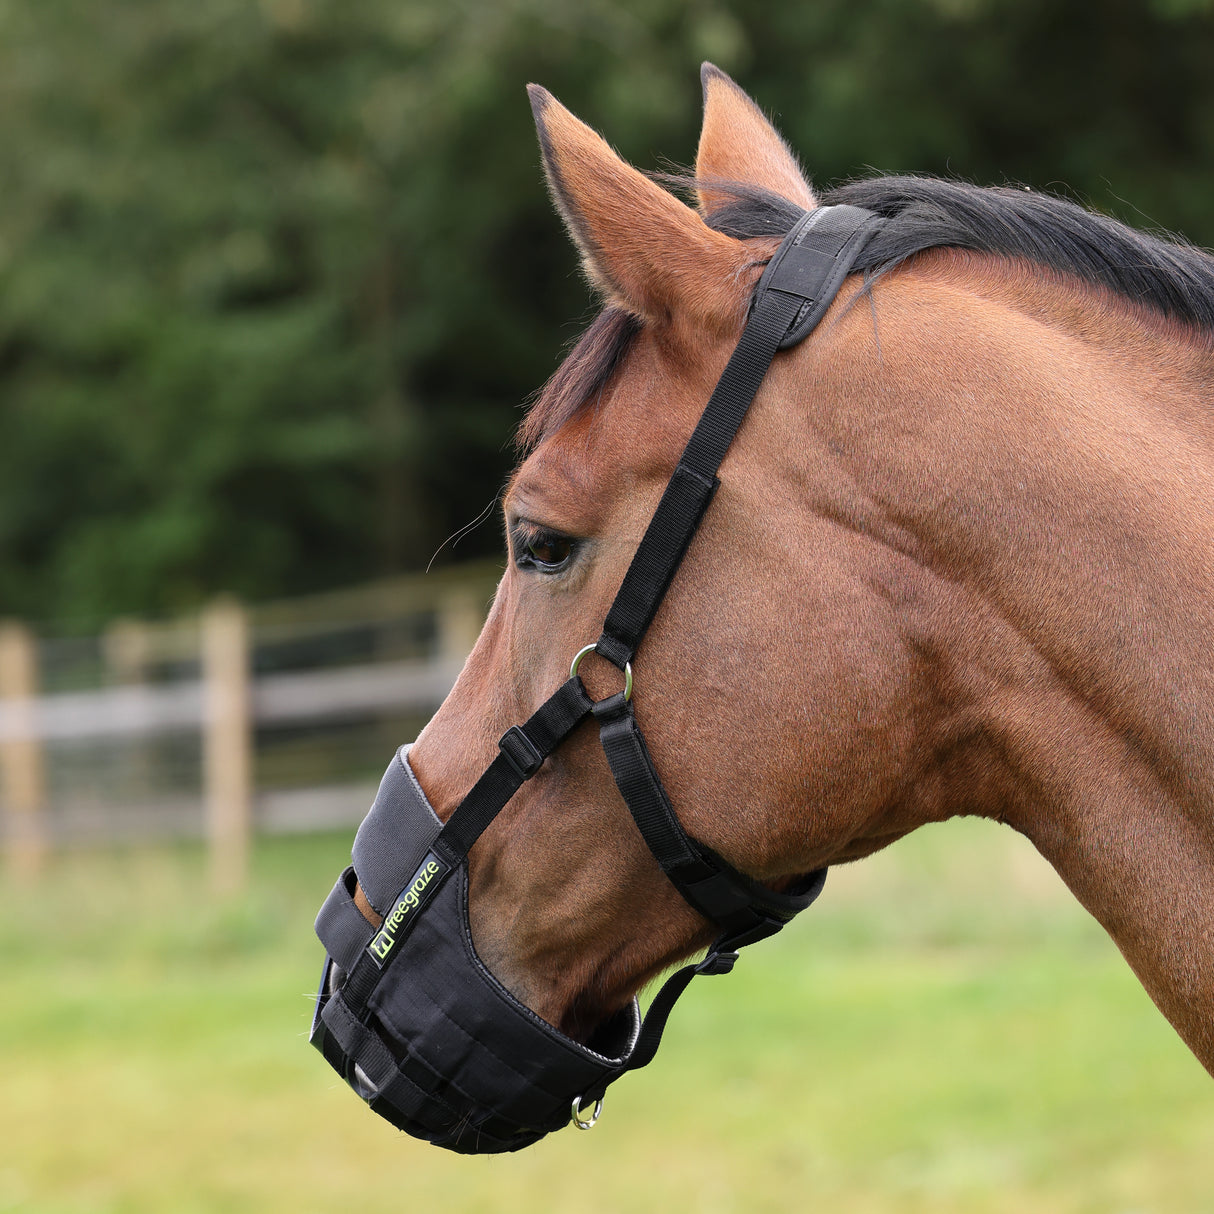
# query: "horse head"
{"type": "Point", "coordinates": [773, 688]}
{"type": "Point", "coordinates": [913, 594]}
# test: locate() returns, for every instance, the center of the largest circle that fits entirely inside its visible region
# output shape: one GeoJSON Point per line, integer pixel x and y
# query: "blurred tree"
{"type": "Point", "coordinates": [274, 277]}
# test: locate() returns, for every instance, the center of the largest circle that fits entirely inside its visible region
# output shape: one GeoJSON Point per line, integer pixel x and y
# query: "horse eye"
{"type": "Point", "coordinates": [550, 550]}
{"type": "Point", "coordinates": [544, 550]}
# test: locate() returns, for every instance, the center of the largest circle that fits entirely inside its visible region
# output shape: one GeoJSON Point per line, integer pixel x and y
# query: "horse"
{"type": "Point", "coordinates": [961, 562]}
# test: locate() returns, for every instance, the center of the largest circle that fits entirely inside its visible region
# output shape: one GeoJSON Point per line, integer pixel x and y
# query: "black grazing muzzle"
{"type": "Point", "coordinates": [443, 1050]}
{"type": "Point", "coordinates": [407, 1013]}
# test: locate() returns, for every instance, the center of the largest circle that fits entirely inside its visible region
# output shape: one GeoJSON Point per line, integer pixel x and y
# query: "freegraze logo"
{"type": "Point", "coordinates": [404, 911]}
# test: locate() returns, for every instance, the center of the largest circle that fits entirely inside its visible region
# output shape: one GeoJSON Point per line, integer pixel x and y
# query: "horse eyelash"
{"type": "Point", "coordinates": [524, 534]}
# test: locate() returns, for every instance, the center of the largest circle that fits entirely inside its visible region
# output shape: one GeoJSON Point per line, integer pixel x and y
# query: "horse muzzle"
{"type": "Point", "coordinates": [416, 1023]}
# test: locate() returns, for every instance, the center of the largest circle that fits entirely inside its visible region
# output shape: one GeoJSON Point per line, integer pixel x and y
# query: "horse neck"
{"type": "Point", "coordinates": [1044, 460]}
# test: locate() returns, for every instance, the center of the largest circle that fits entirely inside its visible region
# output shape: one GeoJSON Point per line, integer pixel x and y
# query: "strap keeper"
{"type": "Point", "coordinates": [717, 963]}
{"type": "Point", "coordinates": [618, 653]}
{"type": "Point", "coordinates": [521, 752]}
{"type": "Point", "coordinates": [611, 709]}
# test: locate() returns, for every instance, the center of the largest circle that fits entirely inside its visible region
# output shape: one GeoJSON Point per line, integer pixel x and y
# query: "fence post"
{"type": "Point", "coordinates": [461, 615]}
{"type": "Point", "coordinates": [21, 763]}
{"type": "Point", "coordinates": [227, 742]}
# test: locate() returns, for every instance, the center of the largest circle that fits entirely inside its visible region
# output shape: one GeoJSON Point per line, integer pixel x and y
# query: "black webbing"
{"type": "Point", "coordinates": [796, 289]}
{"type": "Point", "coordinates": [719, 959]}
{"type": "Point", "coordinates": [747, 910]}
{"type": "Point", "coordinates": [694, 481]}
{"type": "Point", "coordinates": [630, 763]}
{"type": "Point", "coordinates": [555, 719]}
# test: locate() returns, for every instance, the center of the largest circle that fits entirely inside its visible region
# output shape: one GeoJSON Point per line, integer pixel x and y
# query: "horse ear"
{"type": "Point", "coordinates": [641, 247]}
{"type": "Point", "coordinates": [737, 143]}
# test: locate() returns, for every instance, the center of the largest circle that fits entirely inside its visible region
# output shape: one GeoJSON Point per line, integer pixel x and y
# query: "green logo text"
{"type": "Point", "coordinates": [410, 898]}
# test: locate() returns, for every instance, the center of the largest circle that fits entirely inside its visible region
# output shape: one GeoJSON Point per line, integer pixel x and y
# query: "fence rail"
{"type": "Point", "coordinates": [202, 683]}
{"type": "Point", "coordinates": [148, 711]}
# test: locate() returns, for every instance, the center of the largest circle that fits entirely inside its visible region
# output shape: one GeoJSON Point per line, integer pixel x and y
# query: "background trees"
{"type": "Point", "coordinates": [275, 277]}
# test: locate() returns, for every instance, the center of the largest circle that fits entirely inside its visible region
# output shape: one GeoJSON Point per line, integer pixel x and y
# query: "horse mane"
{"type": "Point", "coordinates": [1165, 273]}
{"type": "Point", "coordinates": [1162, 272]}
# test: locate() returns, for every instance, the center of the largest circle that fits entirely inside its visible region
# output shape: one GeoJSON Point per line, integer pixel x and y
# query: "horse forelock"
{"type": "Point", "coordinates": [581, 377]}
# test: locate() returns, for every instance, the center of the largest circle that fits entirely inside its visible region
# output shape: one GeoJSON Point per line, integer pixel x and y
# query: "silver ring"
{"type": "Point", "coordinates": [577, 661]}
{"type": "Point", "coordinates": [588, 1124]}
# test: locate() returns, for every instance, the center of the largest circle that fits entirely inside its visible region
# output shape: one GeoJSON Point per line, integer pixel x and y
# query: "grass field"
{"type": "Point", "coordinates": [946, 1031]}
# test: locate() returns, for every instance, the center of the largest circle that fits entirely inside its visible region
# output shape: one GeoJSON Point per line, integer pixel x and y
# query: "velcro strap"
{"type": "Point", "coordinates": [358, 1042]}
{"type": "Point", "coordinates": [396, 1085]}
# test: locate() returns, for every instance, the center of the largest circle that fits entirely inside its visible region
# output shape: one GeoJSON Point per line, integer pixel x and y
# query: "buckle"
{"type": "Point", "coordinates": [520, 752]}
{"type": "Point", "coordinates": [717, 963]}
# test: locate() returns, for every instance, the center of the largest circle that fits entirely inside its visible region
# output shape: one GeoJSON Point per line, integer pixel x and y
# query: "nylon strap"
{"type": "Point", "coordinates": [796, 289]}
{"type": "Point", "coordinates": [714, 887]}
{"type": "Point", "coordinates": [654, 1024]}
{"type": "Point", "coordinates": [694, 482]}
{"type": "Point", "coordinates": [523, 748]}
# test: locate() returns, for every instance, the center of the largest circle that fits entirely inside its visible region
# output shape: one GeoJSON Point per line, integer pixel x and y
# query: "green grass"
{"type": "Point", "coordinates": [946, 1031]}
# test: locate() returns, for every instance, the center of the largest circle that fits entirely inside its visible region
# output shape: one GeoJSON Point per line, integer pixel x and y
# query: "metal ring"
{"type": "Point", "coordinates": [585, 649]}
{"type": "Point", "coordinates": [588, 1124]}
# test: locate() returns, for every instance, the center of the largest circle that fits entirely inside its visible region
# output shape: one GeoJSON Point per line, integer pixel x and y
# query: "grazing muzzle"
{"type": "Point", "coordinates": [407, 1013]}
{"type": "Point", "coordinates": [438, 1046]}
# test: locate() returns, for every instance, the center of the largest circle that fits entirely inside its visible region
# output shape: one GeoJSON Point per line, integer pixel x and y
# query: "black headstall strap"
{"type": "Point", "coordinates": [794, 293]}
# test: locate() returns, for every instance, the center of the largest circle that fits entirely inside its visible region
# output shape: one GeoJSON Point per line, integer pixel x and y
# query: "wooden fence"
{"type": "Point", "coordinates": [213, 691]}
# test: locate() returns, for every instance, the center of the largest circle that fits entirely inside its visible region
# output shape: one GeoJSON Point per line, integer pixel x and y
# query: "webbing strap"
{"type": "Point", "coordinates": [654, 1024]}
{"type": "Point", "coordinates": [794, 293]}
{"type": "Point", "coordinates": [796, 289]}
{"type": "Point", "coordinates": [341, 925]}
{"type": "Point", "coordinates": [746, 909]}
{"type": "Point", "coordinates": [523, 748]}
{"type": "Point", "coordinates": [694, 482]}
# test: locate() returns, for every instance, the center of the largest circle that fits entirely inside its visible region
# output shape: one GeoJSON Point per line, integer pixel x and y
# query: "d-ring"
{"type": "Point", "coordinates": [588, 1124]}
{"type": "Point", "coordinates": [577, 661]}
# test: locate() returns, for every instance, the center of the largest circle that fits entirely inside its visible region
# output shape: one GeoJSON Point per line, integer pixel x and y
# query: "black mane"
{"type": "Point", "coordinates": [1168, 275]}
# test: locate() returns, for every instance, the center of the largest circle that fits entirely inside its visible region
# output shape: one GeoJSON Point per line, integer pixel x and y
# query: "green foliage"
{"type": "Point", "coordinates": [275, 277]}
